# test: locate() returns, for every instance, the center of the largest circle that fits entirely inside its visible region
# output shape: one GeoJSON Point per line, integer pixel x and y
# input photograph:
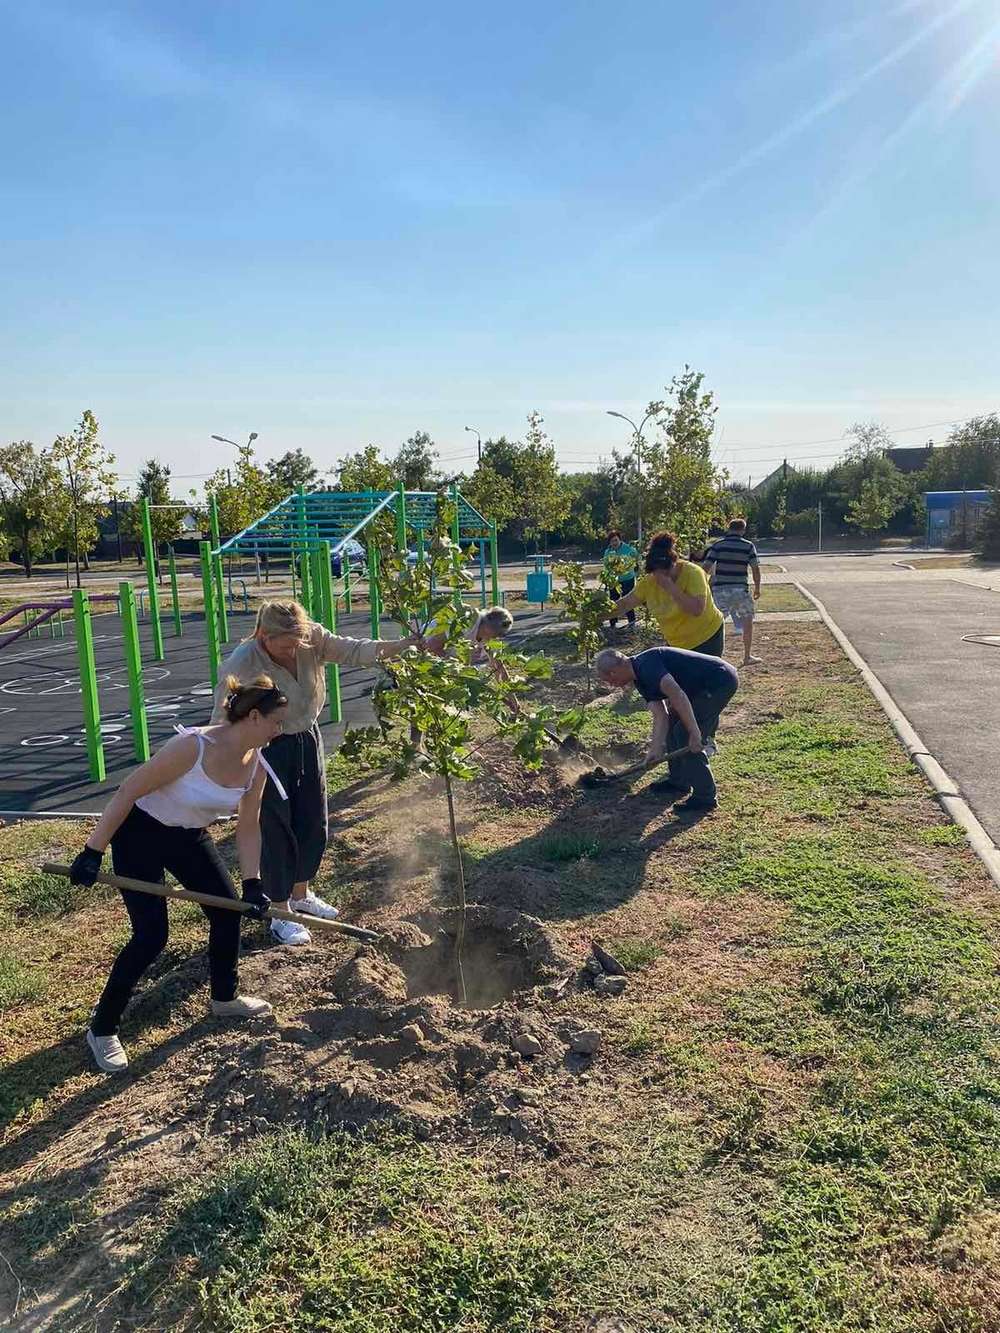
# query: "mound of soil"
{"type": "Point", "coordinates": [378, 1038]}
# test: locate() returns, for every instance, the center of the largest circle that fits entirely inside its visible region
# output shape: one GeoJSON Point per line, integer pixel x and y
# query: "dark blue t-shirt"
{"type": "Point", "coordinates": [695, 673]}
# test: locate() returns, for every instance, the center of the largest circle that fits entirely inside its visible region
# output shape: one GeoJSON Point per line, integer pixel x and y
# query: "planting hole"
{"type": "Point", "coordinates": [503, 954]}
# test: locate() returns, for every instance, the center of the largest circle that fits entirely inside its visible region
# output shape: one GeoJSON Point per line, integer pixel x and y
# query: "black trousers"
{"type": "Point", "coordinates": [142, 849]}
{"type": "Point", "coordinates": [713, 647]}
{"type": "Point", "coordinates": [625, 586]}
{"type": "Point", "coordinates": [692, 770]}
{"type": "Point", "coordinates": [293, 832]}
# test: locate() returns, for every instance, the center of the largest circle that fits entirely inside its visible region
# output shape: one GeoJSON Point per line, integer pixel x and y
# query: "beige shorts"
{"type": "Point", "coordinates": [734, 601]}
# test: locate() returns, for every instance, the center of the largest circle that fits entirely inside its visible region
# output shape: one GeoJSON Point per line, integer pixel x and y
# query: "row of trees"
{"type": "Point", "coordinates": [866, 492]}
{"type": "Point", "coordinates": [53, 498]}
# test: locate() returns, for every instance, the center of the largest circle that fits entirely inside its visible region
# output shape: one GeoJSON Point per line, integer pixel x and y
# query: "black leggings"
{"type": "Point", "coordinates": [293, 832]}
{"type": "Point", "coordinates": [142, 849]}
{"type": "Point", "coordinates": [713, 647]}
{"type": "Point", "coordinates": [625, 586]}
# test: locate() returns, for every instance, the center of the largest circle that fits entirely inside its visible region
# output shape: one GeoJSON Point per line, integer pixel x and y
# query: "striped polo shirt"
{"type": "Point", "coordinates": [733, 557]}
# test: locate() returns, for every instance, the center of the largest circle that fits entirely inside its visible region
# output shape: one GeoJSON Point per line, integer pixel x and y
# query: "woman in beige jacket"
{"type": "Point", "coordinates": [295, 652]}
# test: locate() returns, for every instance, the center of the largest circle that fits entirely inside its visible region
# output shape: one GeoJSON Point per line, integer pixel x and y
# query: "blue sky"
{"type": "Point", "coordinates": [336, 224]}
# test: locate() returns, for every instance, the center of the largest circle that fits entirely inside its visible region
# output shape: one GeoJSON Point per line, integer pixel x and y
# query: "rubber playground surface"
{"type": "Point", "coordinates": [43, 757]}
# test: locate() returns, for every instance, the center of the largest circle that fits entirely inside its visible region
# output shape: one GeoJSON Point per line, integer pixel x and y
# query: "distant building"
{"type": "Point", "coordinates": [954, 515]}
{"type": "Point", "coordinates": [771, 478]}
{"type": "Point", "coordinates": [910, 459]}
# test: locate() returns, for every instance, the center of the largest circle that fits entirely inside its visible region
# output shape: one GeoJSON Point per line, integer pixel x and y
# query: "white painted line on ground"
{"type": "Point", "coordinates": [56, 648]}
{"type": "Point", "coordinates": [944, 785]}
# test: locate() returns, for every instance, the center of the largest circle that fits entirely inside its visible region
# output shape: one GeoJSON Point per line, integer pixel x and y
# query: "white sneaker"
{"type": "Point", "coordinates": [244, 1006]}
{"type": "Point", "coordinates": [311, 905]}
{"type": "Point", "coordinates": [289, 932]}
{"type": "Point", "coordinates": [108, 1052]}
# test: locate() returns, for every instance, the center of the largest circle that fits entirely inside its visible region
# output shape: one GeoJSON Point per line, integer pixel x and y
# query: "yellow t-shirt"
{"type": "Point", "coordinates": [678, 628]}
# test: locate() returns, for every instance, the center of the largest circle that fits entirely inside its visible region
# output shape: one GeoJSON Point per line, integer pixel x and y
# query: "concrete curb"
{"type": "Point", "coordinates": [942, 783]}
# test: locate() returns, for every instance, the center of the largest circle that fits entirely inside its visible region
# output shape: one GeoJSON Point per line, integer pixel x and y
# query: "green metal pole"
{"type": "Point", "coordinates": [154, 596]}
{"type": "Point", "coordinates": [315, 585]}
{"type": "Point", "coordinates": [373, 592]}
{"type": "Point", "coordinates": [220, 584]}
{"type": "Point", "coordinates": [305, 576]}
{"type": "Point", "coordinates": [401, 517]}
{"type": "Point", "coordinates": [482, 572]}
{"type": "Point", "coordinates": [456, 533]}
{"type": "Point", "coordinates": [347, 580]}
{"type": "Point", "coordinates": [211, 622]}
{"type": "Point", "coordinates": [88, 684]}
{"type": "Point", "coordinates": [175, 596]}
{"type": "Point", "coordinates": [133, 666]}
{"type": "Point", "coordinates": [421, 561]}
{"type": "Point", "coordinates": [494, 566]}
{"type": "Point", "coordinates": [329, 619]}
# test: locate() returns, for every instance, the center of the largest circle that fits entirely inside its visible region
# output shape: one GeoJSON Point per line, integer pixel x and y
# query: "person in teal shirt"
{"type": "Point", "coordinates": [625, 558]}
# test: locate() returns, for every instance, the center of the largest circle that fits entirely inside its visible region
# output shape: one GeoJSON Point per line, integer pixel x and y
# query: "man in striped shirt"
{"type": "Point", "coordinates": [731, 560]}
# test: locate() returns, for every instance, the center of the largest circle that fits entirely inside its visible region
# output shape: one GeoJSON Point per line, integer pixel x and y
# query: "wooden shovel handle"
{"type": "Point", "coordinates": [213, 900]}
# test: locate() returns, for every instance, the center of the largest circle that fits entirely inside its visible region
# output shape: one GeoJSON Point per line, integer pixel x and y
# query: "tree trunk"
{"type": "Point", "coordinates": [457, 848]}
{"type": "Point", "coordinates": [26, 552]}
{"type": "Point", "coordinates": [76, 548]}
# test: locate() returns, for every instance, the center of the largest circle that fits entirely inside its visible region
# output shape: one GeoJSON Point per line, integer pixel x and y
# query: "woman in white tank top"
{"type": "Point", "coordinates": [158, 821]}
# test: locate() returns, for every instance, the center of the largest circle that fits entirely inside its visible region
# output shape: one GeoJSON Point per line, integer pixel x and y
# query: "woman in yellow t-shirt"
{"type": "Point", "coordinates": [679, 599]}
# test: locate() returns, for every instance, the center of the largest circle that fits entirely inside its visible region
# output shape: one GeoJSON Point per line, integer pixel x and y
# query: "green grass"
{"type": "Point", "coordinates": [353, 1236]}
{"type": "Point", "coordinates": [18, 983]}
{"type": "Point", "coordinates": [32, 893]}
{"type": "Point", "coordinates": [561, 847]}
{"type": "Point", "coordinates": [634, 952]}
{"type": "Point", "coordinates": [942, 835]}
{"type": "Point", "coordinates": [782, 597]}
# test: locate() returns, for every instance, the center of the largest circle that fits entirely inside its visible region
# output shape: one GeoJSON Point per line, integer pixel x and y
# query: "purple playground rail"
{"type": "Point", "coordinates": [46, 610]}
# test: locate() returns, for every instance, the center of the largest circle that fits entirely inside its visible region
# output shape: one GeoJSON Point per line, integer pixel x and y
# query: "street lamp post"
{"type": "Point", "coordinates": [224, 440]}
{"type": "Point", "coordinates": [637, 436]}
{"type": "Point", "coordinates": [479, 443]}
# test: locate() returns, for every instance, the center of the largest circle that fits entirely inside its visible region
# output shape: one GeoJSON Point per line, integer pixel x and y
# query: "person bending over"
{"type": "Point", "coordinates": [485, 627]}
{"type": "Point", "coordinates": [685, 692]}
{"type": "Point", "coordinates": [289, 646]}
{"type": "Point", "coordinates": [679, 599]}
{"type": "Point", "coordinates": [157, 821]}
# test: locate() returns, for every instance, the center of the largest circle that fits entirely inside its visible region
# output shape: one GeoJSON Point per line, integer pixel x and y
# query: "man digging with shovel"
{"type": "Point", "coordinates": [686, 692]}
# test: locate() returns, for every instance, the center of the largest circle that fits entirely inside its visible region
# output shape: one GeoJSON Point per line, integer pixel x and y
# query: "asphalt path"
{"type": "Point", "coordinates": [911, 632]}
{"type": "Point", "coordinates": [43, 757]}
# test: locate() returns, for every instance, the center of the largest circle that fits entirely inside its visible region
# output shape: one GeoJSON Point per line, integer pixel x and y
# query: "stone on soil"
{"type": "Point", "coordinates": [587, 1042]}
{"type": "Point", "coordinates": [412, 1032]}
{"type": "Point", "coordinates": [527, 1045]}
{"type": "Point", "coordinates": [607, 960]}
{"type": "Point", "coordinates": [609, 985]}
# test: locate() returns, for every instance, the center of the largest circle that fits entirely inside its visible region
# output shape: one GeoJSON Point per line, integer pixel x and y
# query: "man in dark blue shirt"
{"type": "Point", "coordinates": [685, 692]}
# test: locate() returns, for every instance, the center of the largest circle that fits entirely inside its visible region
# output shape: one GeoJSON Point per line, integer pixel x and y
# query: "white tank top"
{"type": "Point", "coordinates": [194, 800]}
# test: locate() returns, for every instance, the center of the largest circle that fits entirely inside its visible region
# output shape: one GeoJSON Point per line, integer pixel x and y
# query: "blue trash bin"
{"type": "Point", "coordinates": [539, 587]}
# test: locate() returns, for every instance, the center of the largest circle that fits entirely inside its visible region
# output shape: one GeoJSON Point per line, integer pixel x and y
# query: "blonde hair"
{"type": "Point", "coordinates": [274, 618]}
{"type": "Point", "coordinates": [241, 700]}
{"type": "Point", "coordinates": [499, 620]}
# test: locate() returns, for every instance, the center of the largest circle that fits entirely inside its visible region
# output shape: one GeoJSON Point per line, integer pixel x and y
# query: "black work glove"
{"type": "Point", "coordinates": [86, 867]}
{"type": "Point", "coordinates": [253, 893]}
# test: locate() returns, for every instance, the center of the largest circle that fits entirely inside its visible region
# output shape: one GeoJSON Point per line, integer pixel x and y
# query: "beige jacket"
{"type": "Point", "coordinates": [306, 690]}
